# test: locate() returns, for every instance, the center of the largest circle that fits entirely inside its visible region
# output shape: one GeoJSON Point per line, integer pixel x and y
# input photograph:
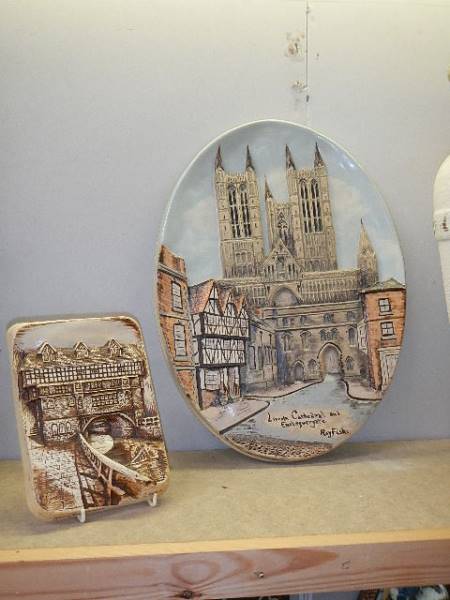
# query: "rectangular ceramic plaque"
{"type": "Point", "coordinates": [86, 412]}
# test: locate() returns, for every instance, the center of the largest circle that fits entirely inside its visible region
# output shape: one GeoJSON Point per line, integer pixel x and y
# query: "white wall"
{"type": "Point", "coordinates": [103, 104]}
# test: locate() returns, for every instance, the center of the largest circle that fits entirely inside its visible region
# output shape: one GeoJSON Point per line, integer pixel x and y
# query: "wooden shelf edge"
{"type": "Point", "coordinates": [23, 555]}
{"type": "Point", "coordinates": [229, 568]}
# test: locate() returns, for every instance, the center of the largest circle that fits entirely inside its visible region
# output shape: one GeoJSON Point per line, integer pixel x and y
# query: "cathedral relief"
{"type": "Point", "coordinates": [316, 340]}
{"type": "Point", "coordinates": [280, 265]}
{"type": "Point", "coordinates": [301, 236]}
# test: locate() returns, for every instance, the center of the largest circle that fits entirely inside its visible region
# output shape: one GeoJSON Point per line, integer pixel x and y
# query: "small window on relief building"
{"type": "Point", "coordinates": [177, 300]}
{"type": "Point", "coordinates": [179, 335]}
{"type": "Point", "coordinates": [387, 329]}
{"type": "Point", "coordinates": [384, 305]}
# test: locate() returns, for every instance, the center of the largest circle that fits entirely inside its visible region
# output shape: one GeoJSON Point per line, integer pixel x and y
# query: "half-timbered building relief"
{"type": "Point", "coordinates": [220, 327]}
{"type": "Point", "coordinates": [68, 391]}
{"type": "Point", "coordinates": [173, 299]}
{"type": "Point", "coordinates": [88, 412]}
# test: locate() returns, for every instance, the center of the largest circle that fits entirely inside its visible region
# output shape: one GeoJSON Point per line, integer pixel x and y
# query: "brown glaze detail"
{"type": "Point", "coordinates": [87, 415]}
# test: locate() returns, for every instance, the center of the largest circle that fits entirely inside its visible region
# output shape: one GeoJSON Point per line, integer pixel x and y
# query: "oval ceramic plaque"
{"type": "Point", "coordinates": [281, 291]}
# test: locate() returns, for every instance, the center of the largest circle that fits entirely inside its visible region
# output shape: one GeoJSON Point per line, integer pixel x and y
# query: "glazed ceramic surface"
{"type": "Point", "coordinates": [87, 415]}
{"type": "Point", "coordinates": [281, 291]}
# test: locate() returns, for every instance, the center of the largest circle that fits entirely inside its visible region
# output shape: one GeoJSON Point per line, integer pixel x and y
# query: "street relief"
{"type": "Point", "coordinates": [281, 291]}
{"type": "Point", "coordinates": [91, 435]}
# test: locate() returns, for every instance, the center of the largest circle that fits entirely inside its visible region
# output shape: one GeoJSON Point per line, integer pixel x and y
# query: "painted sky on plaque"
{"type": "Point", "coordinates": [190, 228]}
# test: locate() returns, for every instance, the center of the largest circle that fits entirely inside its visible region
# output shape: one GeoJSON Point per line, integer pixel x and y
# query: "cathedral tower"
{"type": "Point", "coordinates": [279, 223]}
{"type": "Point", "coordinates": [313, 231]}
{"type": "Point", "coordinates": [367, 259]}
{"type": "Point", "coordinates": [241, 235]}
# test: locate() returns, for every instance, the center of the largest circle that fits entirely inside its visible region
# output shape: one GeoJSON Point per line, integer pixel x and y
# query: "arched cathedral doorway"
{"type": "Point", "coordinates": [299, 371]}
{"type": "Point", "coordinates": [330, 360]}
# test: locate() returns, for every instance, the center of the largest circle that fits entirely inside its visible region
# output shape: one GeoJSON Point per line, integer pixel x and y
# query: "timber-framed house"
{"type": "Point", "coordinates": [220, 326]}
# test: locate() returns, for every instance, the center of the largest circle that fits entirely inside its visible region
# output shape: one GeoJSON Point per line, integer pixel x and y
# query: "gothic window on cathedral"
{"type": "Point", "coordinates": [329, 335]}
{"type": "Point", "coordinates": [328, 318]}
{"type": "Point", "coordinates": [317, 216]}
{"type": "Point", "coordinates": [309, 216]}
{"type": "Point", "coordinates": [349, 364]}
{"type": "Point", "coordinates": [306, 216]}
{"type": "Point", "coordinates": [306, 340]}
{"type": "Point", "coordinates": [351, 316]}
{"type": "Point", "coordinates": [234, 215]}
{"type": "Point", "coordinates": [312, 366]}
{"type": "Point", "coordinates": [314, 214]}
{"type": "Point", "coordinates": [286, 343]}
{"type": "Point", "coordinates": [352, 336]}
{"type": "Point", "coordinates": [245, 212]}
{"type": "Point", "coordinates": [303, 189]}
{"type": "Point", "coordinates": [312, 211]}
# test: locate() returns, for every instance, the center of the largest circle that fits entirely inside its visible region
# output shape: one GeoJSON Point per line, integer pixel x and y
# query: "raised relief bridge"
{"type": "Point", "coordinates": [105, 468]}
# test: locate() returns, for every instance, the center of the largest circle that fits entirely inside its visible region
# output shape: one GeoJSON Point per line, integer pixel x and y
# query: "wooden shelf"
{"type": "Point", "coordinates": [366, 515]}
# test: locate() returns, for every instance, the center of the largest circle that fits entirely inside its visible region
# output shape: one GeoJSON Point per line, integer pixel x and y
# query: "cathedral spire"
{"type": "Point", "coordinates": [248, 160]}
{"type": "Point", "coordinates": [289, 160]}
{"type": "Point", "coordinates": [318, 160]}
{"type": "Point", "coordinates": [219, 159]}
{"type": "Point", "coordinates": [267, 192]}
{"type": "Point", "coordinates": [364, 240]}
{"type": "Point", "coordinates": [367, 259]}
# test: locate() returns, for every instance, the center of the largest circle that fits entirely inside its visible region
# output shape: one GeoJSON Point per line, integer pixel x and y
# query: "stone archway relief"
{"type": "Point", "coordinates": [104, 417]}
{"type": "Point", "coordinates": [298, 371]}
{"type": "Point", "coordinates": [330, 359]}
